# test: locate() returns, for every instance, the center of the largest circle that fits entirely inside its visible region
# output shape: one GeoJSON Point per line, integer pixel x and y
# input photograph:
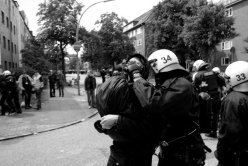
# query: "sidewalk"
{"type": "Point", "coordinates": [56, 112]}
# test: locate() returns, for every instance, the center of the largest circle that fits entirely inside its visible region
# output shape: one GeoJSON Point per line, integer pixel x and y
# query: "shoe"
{"type": "Point", "coordinates": [212, 134]}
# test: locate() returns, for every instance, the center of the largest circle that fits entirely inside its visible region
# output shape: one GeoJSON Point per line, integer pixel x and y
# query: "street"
{"type": "Point", "coordinates": [77, 145]}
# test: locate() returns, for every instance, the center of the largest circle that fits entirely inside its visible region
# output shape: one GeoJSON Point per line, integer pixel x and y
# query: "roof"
{"type": "Point", "coordinates": [232, 2]}
{"type": "Point", "coordinates": [139, 20]}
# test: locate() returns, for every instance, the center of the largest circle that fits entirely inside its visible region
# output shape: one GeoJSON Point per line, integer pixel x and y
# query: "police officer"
{"type": "Point", "coordinates": [10, 94]}
{"type": "Point", "coordinates": [232, 146]}
{"type": "Point", "coordinates": [207, 84]}
{"type": "Point", "coordinates": [175, 105]}
{"type": "Point", "coordinates": [129, 125]}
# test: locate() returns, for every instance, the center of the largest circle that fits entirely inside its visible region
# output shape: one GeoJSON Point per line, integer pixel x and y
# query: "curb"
{"type": "Point", "coordinates": [50, 129]}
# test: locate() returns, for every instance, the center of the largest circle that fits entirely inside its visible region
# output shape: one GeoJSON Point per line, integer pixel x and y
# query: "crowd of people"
{"type": "Point", "coordinates": [14, 91]}
{"type": "Point", "coordinates": [173, 114]}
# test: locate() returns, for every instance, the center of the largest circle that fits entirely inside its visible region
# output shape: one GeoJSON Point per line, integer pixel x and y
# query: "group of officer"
{"type": "Point", "coordinates": [140, 117]}
{"type": "Point", "coordinates": [9, 101]}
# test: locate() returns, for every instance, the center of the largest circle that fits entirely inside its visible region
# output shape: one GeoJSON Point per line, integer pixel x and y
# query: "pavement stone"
{"type": "Point", "coordinates": [56, 112]}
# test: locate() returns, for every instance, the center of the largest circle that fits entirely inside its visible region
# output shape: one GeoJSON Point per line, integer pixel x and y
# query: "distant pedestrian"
{"type": "Point", "coordinates": [38, 86]}
{"type": "Point", "coordinates": [25, 84]}
{"type": "Point", "coordinates": [103, 73]}
{"type": "Point", "coordinates": [52, 82]}
{"type": "Point", "coordinates": [90, 86]}
{"type": "Point", "coordinates": [60, 83]}
{"type": "Point", "coordinates": [232, 146]}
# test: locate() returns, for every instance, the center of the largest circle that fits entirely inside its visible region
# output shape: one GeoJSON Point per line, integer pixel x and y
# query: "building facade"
{"type": "Point", "coordinates": [10, 35]}
{"type": "Point", "coordinates": [136, 31]}
{"type": "Point", "coordinates": [235, 48]}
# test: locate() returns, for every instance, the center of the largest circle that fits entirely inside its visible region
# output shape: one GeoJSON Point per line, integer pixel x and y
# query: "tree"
{"type": "Point", "coordinates": [188, 27]}
{"type": "Point", "coordinates": [59, 20]}
{"type": "Point", "coordinates": [207, 28]}
{"type": "Point", "coordinates": [33, 57]}
{"type": "Point", "coordinates": [115, 45]}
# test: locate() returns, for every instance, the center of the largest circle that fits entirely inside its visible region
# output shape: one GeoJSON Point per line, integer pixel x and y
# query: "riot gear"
{"type": "Point", "coordinates": [238, 75]}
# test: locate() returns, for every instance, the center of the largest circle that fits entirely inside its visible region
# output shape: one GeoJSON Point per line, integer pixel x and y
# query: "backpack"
{"type": "Point", "coordinates": [211, 81]}
{"type": "Point", "coordinates": [112, 96]}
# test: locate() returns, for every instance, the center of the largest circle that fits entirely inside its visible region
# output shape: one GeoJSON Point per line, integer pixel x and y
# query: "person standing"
{"type": "Point", "coordinates": [175, 105]}
{"type": "Point", "coordinates": [52, 81]}
{"type": "Point", "coordinates": [60, 83]}
{"type": "Point", "coordinates": [25, 84]}
{"type": "Point", "coordinates": [103, 73]}
{"type": "Point", "coordinates": [208, 86]}
{"type": "Point", "coordinates": [90, 86]}
{"type": "Point", "coordinates": [124, 120]}
{"type": "Point", "coordinates": [10, 94]}
{"type": "Point", "coordinates": [232, 146]}
{"type": "Point", "coordinates": [38, 86]}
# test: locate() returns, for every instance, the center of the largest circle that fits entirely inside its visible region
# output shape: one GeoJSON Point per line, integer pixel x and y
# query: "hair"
{"type": "Point", "coordinates": [143, 60]}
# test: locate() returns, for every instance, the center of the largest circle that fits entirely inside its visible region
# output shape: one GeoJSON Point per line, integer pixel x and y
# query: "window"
{"type": "Point", "coordinates": [12, 47]}
{"type": "Point", "coordinates": [5, 65]}
{"type": "Point", "coordinates": [225, 61]}
{"type": "Point", "coordinates": [7, 22]}
{"type": "Point", "coordinates": [9, 45]}
{"type": "Point", "coordinates": [226, 45]}
{"type": "Point", "coordinates": [4, 42]}
{"type": "Point", "coordinates": [15, 48]}
{"type": "Point", "coordinates": [13, 65]}
{"type": "Point", "coordinates": [134, 42]}
{"type": "Point", "coordinates": [11, 26]}
{"type": "Point", "coordinates": [139, 42]}
{"type": "Point", "coordinates": [14, 29]}
{"type": "Point", "coordinates": [2, 17]}
{"type": "Point", "coordinates": [9, 65]}
{"type": "Point", "coordinates": [139, 30]}
{"type": "Point", "coordinates": [229, 12]}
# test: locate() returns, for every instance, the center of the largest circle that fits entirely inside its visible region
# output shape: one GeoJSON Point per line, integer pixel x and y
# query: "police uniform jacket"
{"type": "Point", "coordinates": [174, 105]}
{"type": "Point", "coordinates": [133, 134]}
{"type": "Point", "coordinates": [233, 133]}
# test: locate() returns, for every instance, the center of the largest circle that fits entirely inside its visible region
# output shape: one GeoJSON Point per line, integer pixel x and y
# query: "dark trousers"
{"type": "Point", "coordinates": [129, 160]}
{"type": "Point", "coordinates": [52, 90]}
{"type": "Point", "coordinates": [27, 96]}
{"type": "Point", "coordinates": [91, 97]}
{"type": "Point", "coordinates": [61, 91]}
{"type": "Point", "coordinates": [38, 97]}
{"type": "Point", "coordinates": [12, 99]}
{"type": "Point", "coordinates": [235, 159]}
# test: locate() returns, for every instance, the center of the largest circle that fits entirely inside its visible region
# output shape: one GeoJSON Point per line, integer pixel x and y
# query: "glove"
{"type": "Point", "coordinates": [98, 127]}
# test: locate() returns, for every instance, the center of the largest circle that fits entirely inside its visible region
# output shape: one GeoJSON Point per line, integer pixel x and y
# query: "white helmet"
{"type": "Point", "coordinates": [216, 70]}
{"type": "Point", "coordinates": [198, 64]}
{"type": "Point", "coordinates": [238, 75]}
{"type": "Point", "coordinates": [6, 73]}
{"type": "Point", "coordinates": [164, 61]}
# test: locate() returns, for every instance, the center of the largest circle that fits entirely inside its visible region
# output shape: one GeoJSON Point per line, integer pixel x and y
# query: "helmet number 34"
{"type": "Point", "coordinates": [166, 59]}
{"type": "Point", "coordinates": [241, 77]}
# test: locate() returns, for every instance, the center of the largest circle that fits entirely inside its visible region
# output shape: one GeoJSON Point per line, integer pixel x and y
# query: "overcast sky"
{"type": "Point", "coordinates": [129, 9]}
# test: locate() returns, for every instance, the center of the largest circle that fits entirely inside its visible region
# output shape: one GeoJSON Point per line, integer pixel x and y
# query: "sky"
{"type": "Point", "coordinates": [129, 9]}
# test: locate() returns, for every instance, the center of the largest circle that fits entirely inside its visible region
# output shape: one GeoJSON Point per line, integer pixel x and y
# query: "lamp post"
{"type": "Point", "coordinates": [77, 44]}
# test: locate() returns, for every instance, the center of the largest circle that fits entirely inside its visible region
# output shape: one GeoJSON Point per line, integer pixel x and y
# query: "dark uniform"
{"type": "Point", "coordinates": [134, 135]}
{"type": "Point", "coordinates": [232, 147]}
{"type": "Point", "coordinates": [52, 82]}
{"type": "Point", "coordinates": [209, 83]}
{"type": "Point", "coordinates": [10, 96]}
{"type": "Point", "coordinates": [175, 107]}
